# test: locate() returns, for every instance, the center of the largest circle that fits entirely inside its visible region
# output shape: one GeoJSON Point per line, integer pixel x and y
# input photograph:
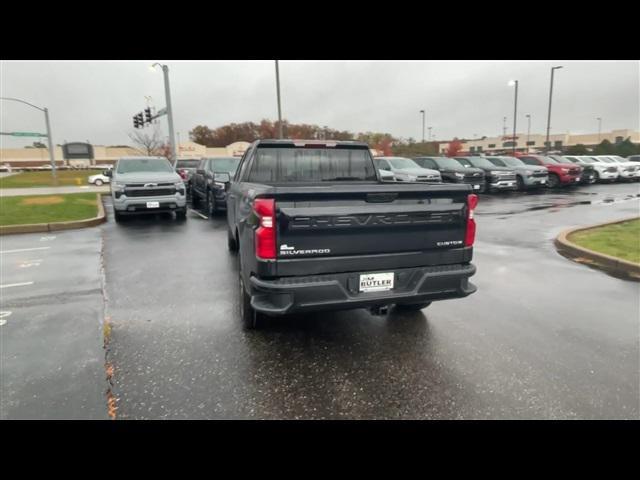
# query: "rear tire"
{"type": "Point", "coordinates": [98, 183]}
{"type": "Point", "coordinates": [251, 320]}
{"type": "Point", "coordinates": [554, 180]}
{"type": "Point", "coordinates": [412, 307]}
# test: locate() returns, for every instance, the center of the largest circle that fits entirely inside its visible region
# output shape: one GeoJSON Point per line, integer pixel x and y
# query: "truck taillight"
{"type": "Point", "coordinates": [265, 238]}
{"type": "Point", "coordinates": [470, 235]}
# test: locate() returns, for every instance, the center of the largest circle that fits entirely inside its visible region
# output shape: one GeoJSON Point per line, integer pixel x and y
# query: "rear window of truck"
{"type": "Point", "coordinates": [310, 165]}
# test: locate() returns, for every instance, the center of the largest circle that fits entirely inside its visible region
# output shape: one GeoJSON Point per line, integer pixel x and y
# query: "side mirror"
{"type": "Point", "coordinates": [107, 173]}
{"type": "Point", "coordinates": [223, 177]}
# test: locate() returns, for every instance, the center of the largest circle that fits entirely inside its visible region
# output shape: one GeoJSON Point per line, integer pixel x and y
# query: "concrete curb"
{"type": "Point", "coordinates": [57, 226]}
{"type": "Point", "coordinates": [608, 263]}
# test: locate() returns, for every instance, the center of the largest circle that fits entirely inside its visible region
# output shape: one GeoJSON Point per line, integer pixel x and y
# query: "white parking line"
{"type": "Point", "coordinates": [25, 250]}
{"type": "Point", "coordinates": [9, 285]}
{"type": "Point", "coordinates": [199, 214]}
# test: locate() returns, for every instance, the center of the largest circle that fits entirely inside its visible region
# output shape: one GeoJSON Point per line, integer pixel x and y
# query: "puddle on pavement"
{"type": "Point", "coordinates": [563, 203]}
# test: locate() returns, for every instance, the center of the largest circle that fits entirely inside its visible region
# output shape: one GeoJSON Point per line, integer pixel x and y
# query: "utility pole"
{"type": "Point", "coordinates": [528, 130]}
{"type": "Point", "coordinates": [546, 143]}
{"type": "Point", "coordinates": [504, 126]}
{"type": "Point", "coordinates": [599, 127]}
{"type": "Point", "coordinates": [280, 135]}
{"type": "Point", "coordinates": [430, 133]}
{"type": "Point", "coordinates": [423, 122]}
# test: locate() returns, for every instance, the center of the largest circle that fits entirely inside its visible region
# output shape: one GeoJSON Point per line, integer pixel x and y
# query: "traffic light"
{"type": "Point", "coordinates": [135, 122]}
{"type": "Point", "coordinates": [147, 115]}
{"type": "Point", "coordinates": [140, 120]}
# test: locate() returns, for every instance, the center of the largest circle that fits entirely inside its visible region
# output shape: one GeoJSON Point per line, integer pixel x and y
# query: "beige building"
{"type": "Point", "coordinates": [536, 143]}
{"type": "Point", "coordinates": [33, 157]}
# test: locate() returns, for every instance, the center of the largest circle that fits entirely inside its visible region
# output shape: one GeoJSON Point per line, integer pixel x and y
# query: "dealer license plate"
{"type": "Point", "coordinates": [476, 187]}
{"type": "Point", "coordinates": [153, 204]}
{"type": "Point", "coordinates": [376, 282]}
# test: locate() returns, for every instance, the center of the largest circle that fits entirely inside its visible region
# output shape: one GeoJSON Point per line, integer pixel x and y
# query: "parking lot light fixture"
{"type": "Point", "coordinates": [547, 146]}
{"type": "Point", "coordinates": [423, 122]}
{"type": "Point", "coordinates": [599, 127]}
{"type": "Point", "coordinates": [44, 110]}
{"type": "Point", "coordinates": [528, 130]}
{"type": "Point", "coordinates": [513, 83]}
{"type": "Point", "coordinates": [169, 109]}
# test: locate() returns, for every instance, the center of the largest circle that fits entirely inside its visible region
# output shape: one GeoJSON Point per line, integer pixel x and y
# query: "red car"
{"type": "Point", "coordinates": [559, 173]}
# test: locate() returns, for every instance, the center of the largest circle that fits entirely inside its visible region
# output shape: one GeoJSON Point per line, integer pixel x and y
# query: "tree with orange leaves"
{"type": "Point", "coordinates": [454, 147]}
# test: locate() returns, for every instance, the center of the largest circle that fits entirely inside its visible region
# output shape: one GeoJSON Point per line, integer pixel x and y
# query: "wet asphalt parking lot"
{"type": "Point", "coordinates": [543, 337]}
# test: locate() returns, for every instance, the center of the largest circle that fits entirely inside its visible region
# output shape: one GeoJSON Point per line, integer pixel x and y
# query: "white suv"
{"type": "Point", "coordinates": [604, 171]}
{"type": "Point", "coordinates": [627, 170]}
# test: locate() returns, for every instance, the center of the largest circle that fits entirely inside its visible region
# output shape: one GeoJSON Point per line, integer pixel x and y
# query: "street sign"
{"type": "Point", "coordinates": [162, 111]}
{"type": "Point", "coordinates": [25, 134]}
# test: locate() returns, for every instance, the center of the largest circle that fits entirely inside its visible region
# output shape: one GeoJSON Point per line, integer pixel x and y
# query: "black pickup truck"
{"type": "Point", "coordinates": [317, 229]}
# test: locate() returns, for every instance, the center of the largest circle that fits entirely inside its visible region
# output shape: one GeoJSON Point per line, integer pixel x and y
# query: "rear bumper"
{"type": "Point", "coordinates": [341, 291]}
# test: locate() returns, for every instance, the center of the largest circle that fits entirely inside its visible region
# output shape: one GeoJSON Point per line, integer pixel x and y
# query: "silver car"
{"type": "Point", "coordinates": [406, 170]}
{"type": "Point", "coordinates": [527, 176]}
{"type": "Point", "coordinates": [147, 185]}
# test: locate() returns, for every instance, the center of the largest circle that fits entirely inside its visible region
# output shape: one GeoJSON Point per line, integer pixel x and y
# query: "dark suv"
{"type": "Point", "coordinates": [210, 183]}
{"type": "Point", "coordinates": [452, 172]}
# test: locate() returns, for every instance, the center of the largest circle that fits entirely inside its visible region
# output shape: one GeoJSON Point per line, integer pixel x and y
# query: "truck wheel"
{"type": "Point", "coordinates": [412, 307]}
{"type": "Point", "coordinates": [232, 244]}
{"type": "Point", "coordinates": [554, 180]}
{"type": "Point", "coordinates": [117, 216]}
{"type": "Point", "coordinates": [597, 177]}
{"type": "Point", "coordinates": [251, 319]}
{"type": "Point", "coordinates": [195, 201]}
{"type": "Point", "coordinates": [520, 183]}
{"type": "Point", "coordinates": [98, 183]}
{"type": "Point", "coordinates": [181, 214]}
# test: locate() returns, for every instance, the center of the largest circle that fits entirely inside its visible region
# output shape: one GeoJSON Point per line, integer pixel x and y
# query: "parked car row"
{"type": "Point", "coordinates": [504, 173]}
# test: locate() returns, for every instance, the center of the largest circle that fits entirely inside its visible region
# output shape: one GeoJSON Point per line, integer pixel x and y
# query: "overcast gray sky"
{"type": "Point", "coordinates": [95, 100]}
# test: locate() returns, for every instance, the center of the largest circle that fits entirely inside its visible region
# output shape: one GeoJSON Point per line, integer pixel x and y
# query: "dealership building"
{"type": "Point", "coordinates": [102, 155]}
{"type": "Point", "coordinates": [536, 143]}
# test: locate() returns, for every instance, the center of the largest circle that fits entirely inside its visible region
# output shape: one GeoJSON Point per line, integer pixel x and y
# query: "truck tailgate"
{"type": "Point", "coordinates": [362, 225]}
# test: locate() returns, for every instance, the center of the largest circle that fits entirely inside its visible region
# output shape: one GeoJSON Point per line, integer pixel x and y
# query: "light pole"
{"type": "Point", "coordinates": [430, 133]}
{"type": "Point", "coordinates": [528, 130]}
{"type": "Point", "coordinates": [279, 107]}
{"type": "Point", "coordinates": [599, 127]}
{"type": "Point", "coordinates": [504, 126]}
{"type": "Point", "coordinates": [49, 141]}
{"type": "Point", "coordinates": [546, 143]}
{"type": "Point", "coordinates": [167, 94]}
{"type": "Point", "coordinates": [515, 113]}
{"type": "Point", "coordinates": [423, 120]}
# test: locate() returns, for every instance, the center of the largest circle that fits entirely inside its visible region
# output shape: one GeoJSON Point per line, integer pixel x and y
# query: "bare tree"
{"type": "Point", "coordinates": [149, 143]}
